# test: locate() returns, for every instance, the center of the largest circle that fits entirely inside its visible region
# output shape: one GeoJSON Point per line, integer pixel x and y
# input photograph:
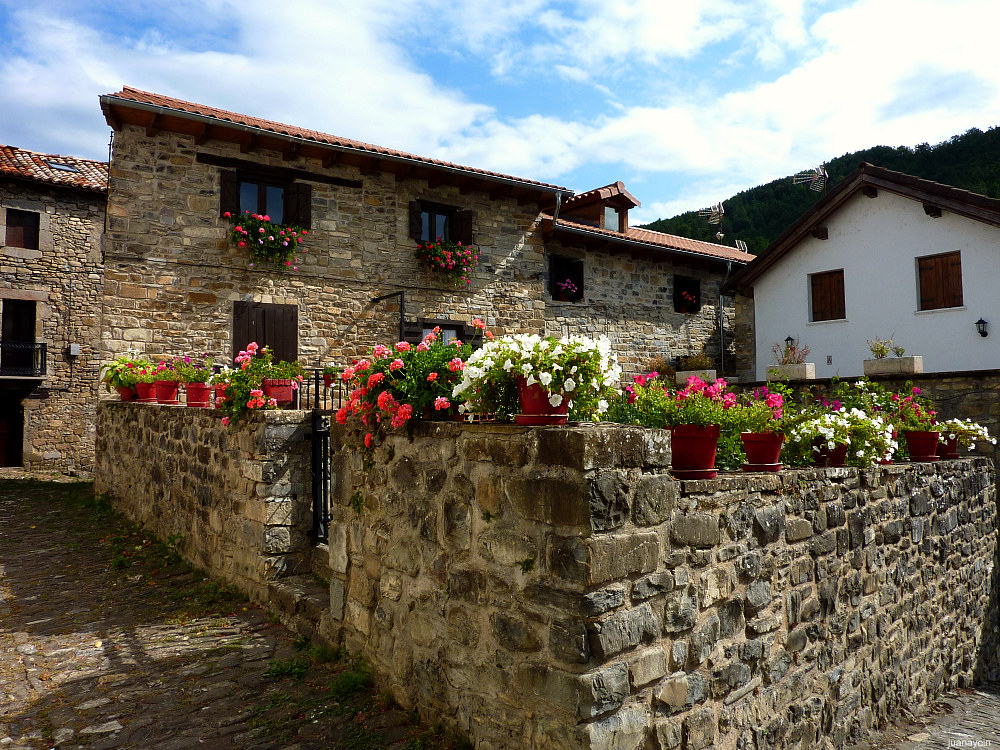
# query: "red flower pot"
{"type": "Point", "coordinates": [692, 449]}
{"type": "Point", "coordinates": [166, 391]}
{"type": "Point", "coordinates": [763, 450]}
{"type": "Point", "coordinates": [198, 394]}
{"type": "Point", "coordinates": [948, 448]}
{"type": "Point", "coordinates": [328, 379]}
{"type": "Point", "coordinates": [922, 444]}
{"type": "Point", "coordinates": [826, 456]}
{"type": "Point", "coordinates": [280, 389]}
{"type": "Point", "coordinates": [535, 406]}
{"type": "Point", "coordinates": [146, 393]}
{"type": "Point", "coordinates": [126, 393]}
{"type": "Point", "coordinates": [220, 393]}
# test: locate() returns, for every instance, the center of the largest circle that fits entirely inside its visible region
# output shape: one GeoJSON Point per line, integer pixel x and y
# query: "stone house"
{"type": "Point", "coordinates": [175, 284]}
{"type": "Point", "coordinates": [883, 254]}
{"type": "Point", "coordinates": [51, 224]}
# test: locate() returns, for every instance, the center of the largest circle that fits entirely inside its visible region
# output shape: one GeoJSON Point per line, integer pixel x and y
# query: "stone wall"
{"type": "Point", "coordinates": [63, 279]}
{"type": "Point", "coordinates": [172, 276]}
{"type": "Point", "coordinates": [555, 588]}
{"type": "Point", "coordinates": [240, 500]}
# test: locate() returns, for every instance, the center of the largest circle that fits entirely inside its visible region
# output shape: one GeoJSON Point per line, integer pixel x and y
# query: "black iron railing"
{"type": "Point", "coordinates": [22, 359]}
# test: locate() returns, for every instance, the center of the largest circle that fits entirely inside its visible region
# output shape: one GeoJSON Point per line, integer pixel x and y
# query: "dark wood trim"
{"type": "Point", "coordinates": [468, 186]}
{"type": "Point", "coordinates": [933, 211]}
{"type": "Point", "coordinates": [869, 191]}
{"type": "Point", "coordinates": [280, 173]}
{"type": "Point", "coordinates": [201, 135]}
{"type": "Point", "coordinates": [154, 126]}
{"type": "Point", "coordinates": [247, 141]}
{"type": "Point", "coordinates": [330, 158]}
{"type": "Point", "coordinates": [371, 166]}
{"type": "Point", "coordinates": [403, 172]}
{"type": "Point", "coordinates": [291, 152]}
{"type": "Point", "coordinates": [820, 233]}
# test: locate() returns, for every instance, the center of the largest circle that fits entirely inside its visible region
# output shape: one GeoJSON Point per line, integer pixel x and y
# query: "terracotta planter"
{"type": "Point", "coordinates": [922, 444]}
{"type": "Point", "coordinates": [198, 394]}
{"type": "Point", "coordinates": [535, 406]}
{"type": "Point", "coordinates": [948, 448]}
{"type": "Point", "coordinates": [828, 457]}
{"type": "Point", "coordinates": [280, 389]}
{"type": "Point", "coordinates": [328, 378]}
{"type": "Point", "coordinates": [126, 393]}
{"type": "Point", "coordinates": [692, 451]}
{"type": "Point", "coordinates": [763, 450]}
{"type": "Point", "coordinates": [166, 391]}
{"type": "Point", "coordinates": [146, 393]}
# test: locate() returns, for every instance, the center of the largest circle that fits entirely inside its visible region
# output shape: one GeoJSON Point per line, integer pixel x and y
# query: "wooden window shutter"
{"type": "Point", "coordinates": [275, 326]}
{"type": "Point", "coordinates": [940, 280]}
{"type": "Point", "coordinates": [229, 199]}
{"type": "Point", "coordinates": [416, 225]}
{"type": "Point", "coordinates": [461, 226]}
{"type": "Point", "coordinates": [953, 279]}
{"type": "Point", "coordinates": [298, 204]}
{"type": "Point", "coordinates": [827, 293]}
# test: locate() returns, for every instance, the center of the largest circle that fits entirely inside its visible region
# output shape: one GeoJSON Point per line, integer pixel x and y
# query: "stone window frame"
{"type": "Point", "coordinates": [45, 243]}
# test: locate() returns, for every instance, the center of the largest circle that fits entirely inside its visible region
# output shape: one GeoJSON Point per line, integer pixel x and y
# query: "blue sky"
{"type": "Point", "coordinates": [686, 101]}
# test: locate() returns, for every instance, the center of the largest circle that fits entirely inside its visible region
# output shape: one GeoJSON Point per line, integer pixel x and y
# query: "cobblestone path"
{"type": "Point", "coordinates": [107, 640]}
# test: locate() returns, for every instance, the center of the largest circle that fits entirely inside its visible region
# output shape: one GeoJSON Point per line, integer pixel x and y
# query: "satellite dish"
{"type": "Point", "coordinates": [713, 213]}
{"type": "Point", "coordinates": [815, 177]}
{"type": "Point", "coordinates": [741, 245]}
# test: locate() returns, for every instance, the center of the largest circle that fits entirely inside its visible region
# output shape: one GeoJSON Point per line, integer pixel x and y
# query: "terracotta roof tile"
{"type": "Point", "coordinates": [31, 165]}
{"type": "Point", "coordinates": [128, 94]}
{"type": "Point", "coordinates": [661, 240]}
{"type": "Point", "coordinates": [603, 193]}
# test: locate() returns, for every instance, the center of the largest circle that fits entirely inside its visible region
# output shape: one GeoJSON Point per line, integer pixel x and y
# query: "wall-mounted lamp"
{"type": "Point", "coordinates": [788, 342]}
{"type": "Point", "coordinates": [981, 328]}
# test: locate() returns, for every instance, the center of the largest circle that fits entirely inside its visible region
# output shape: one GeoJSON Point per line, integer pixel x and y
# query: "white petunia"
{"type": "Point", "coordinates": [555, 399]}
{"type": "Point", "coordinates": [569, 384]}
{"type": "Point", "coordinates": [508, 365]}
{"type": "Point", "coordinates": [545, 378]}
{"type": "Point", "coordinates": [602, 406]}
{"type": "Point", "coordinates": [530, 380]}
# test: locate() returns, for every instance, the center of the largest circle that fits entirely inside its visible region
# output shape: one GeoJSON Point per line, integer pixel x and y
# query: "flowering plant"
{"type": "Point", "coordinates": [124, 371]}
{"type": "Point", "coordinates": [166, 370]}
{"type": "Point", "coordinates": [912, 413]}
{"type": "Point", "coordinates": [575, 368]}
{"type": "Point", "coordinates": [567, 287]}
{"type": "Point", "coordinates": [191, 370]}
{"type": "Point", "coordinates": [869, 436]}
{"type": "Point", "coordinates": [244, 391]}
{"type": "Point", "coordinates": [790, 354]}
{"type": "Point", "coordinates": [265, 240]}
{"type": "Point", "coordinates": [761, 411]}
{"type": "Point", "coordinates": [451, 259]}
{"type": "Point", "coordinates": [966, 432]}
{"type": "Point", "coordinates": [698, 403]}
{"type": "Point", "coordinates": [688, 303]}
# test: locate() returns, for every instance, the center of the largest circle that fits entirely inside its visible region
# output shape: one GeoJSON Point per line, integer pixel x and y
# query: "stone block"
{"type": "Point", "coordinates": [623, 630]}
{"type": "Point", "coordinates": [768, 523]}
{"type": "Point", "coordinates": [694, 529]}
{"type": "Point", "coordinates": [612, 557]}
{"type": "Point", "coordinates": [568, 558]}
{"type": "Point", "coordinates": [337, 599]}
{"type": "Point", "coordinates": [798, 529]}
{"type": "Point", "coordinates": [699, 729]}
{"type": "Point", "coordinates": [513, 632]}
{"type": "Point", "coordinates": [506, 547]}
{"type": "Point", "coordinates": [654, 499]}
{"type": "Point", "coordinates": [758, 596]}
{"type": "Point", "coordinates": [278, 512]}
{"type": "Point", "coordinates": [625, 730]}
{"type": "Point", "coordinates": [669, 734]}
{"type": "Point", "coordinates": [560, 501]}
{"type": "Point", "coordinates": [648, 666]}
{"type": "Point", "coordinates": [823, 544]}
{"type": "Point", "coordinates": [585, 695]}
{"type": "Point", "coordinates": [604, 600]}
{"type": "Point", "coordinates": [680, 613]}
{"type": "Point", "coordinates": [609, 508]}
{"type": "Point", "coordinates": [682, 690]}
{"type": "Point", "coordinates": [277, 539]}
{"type": "Point", "coordinates": [651, 585]}
{"type": "Point", "coordinates": [337, 543]}
{"type": "Point", "coordinates": [568, 641]}
{"type": "Point", "coordinates": [703, 639]}
{"type": "Point", "coordinates": [716, 585]}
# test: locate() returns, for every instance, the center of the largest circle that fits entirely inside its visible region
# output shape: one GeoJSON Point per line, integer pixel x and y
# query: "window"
{"type": "Point", "coordinates": [612, 219]}
{"type": "Point", "coordinates": [826, 292]}
{"type": "Point", "coordinates": [283, 202]}
{"type": "Point", "coordinates": [687, 294]}
{"type": "Point", "coordinates": [270, 325]}
{"type": "Point", "coordinates": [17, 328]}
{"type": "Point", "coordinates": [565, 279]}
{"type": "Point", "coordinates": [939, 281]}
{"type": "Point", "coordinates": [428, 221]}
{"type": "Point", "coordinates": [22, 229]}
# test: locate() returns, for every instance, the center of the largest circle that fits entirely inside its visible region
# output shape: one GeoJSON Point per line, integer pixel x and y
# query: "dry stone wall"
{"type": "Point", "coordinates": [63, 279]}
{"type": "Point", "coordinates": [240, 500]}
{"type": "Point", "coordinates": [555, 588]}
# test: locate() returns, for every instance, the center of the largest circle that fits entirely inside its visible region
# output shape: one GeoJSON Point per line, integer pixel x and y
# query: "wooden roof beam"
{"type": "Point", "coordinates": [247, 141]}
{"type": "Point", "coordinates": [869, 191]}
{"type": "Point", "coordinates": [330, 158]}
{"type": "Point", "coordinates": [201, 134]}
{"type": "Point", "coordinates": [820, 233]}
{"type": "Point", "coordinates": [933, 211]}
{"type": "Point", "coordinates": [153, 126]}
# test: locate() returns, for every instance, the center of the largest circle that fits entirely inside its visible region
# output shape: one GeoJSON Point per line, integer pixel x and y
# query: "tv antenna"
{"type": "Point", "coordinates": [741, 245]}
{"type": "Point", "coordinates": [714, 213]}
{"type": "Point", "coordinates": [815, 177]}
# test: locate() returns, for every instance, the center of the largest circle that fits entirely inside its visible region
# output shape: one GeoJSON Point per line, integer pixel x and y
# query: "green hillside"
{"type": "Point", "coordinates": [758, 215]}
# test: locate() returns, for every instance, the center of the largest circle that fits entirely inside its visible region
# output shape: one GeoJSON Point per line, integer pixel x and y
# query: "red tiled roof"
{"type": "Point", "coordinates": [31, 165]}
{"type": "Point", "coordinates": [659, 240]}
{"type": "Point", "coordinates": [603, 193]}
{"type": "Point", "coordinates": [128, 94]}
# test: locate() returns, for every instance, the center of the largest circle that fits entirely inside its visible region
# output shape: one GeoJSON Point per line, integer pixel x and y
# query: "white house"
{"type": "Point", "coordinates": [883, 254]}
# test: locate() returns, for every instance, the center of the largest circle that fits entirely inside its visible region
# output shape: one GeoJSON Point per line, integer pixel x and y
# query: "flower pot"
{"type": "Point", "coordinates": [692, 451]}
{"type": "Point", "coordinates": [198, 395]}
{"type": "Point", "coordinates": [166, 391]}
{"type": "Point", "coordinates": [146, 393]}
{"type": "Point", "coordinates": [763, 450]}
{"type": "Point", "coordinates": [893, 366]}
{"type": "Point", "coordinates": [948, 448]}
{"type": "Point", "coordinates": [823, 455]}
{"type": "Point", "coordinates": [803, 371]}
{"type": "Point", "coordinates": [126, 393]}
{"type": "Point", "coordinates": [328, 378]}
{"type": "Point", "coordinates": [220, 393]}
{"type": "Point", "coordinates": [535, 406]}
{"type": "Point", "coordinates": [681, 376]}
{"type": "Point", "coordinates": [922, 444]}
{"type": "Point", "coordinates": [280, 389]}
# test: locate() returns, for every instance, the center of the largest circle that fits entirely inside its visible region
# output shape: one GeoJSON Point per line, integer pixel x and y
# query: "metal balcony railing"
{"type": "Point", "coordinates": [22, 359]}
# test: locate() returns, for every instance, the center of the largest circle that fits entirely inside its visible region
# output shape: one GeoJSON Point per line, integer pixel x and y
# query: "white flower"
{"type": "Point", "coordinates": [602, 406]}
{"type": "Point", "coordinates": [526, 369]}
{"type": "Point", "coordinates": [545, 378]}
{"type": "Point", "coordinates": [555, 399]}
{"type": "Point", "coordinates": [573, 369]}
{"type": "Point", "coordinates": [569, 384]}
{"type": "Point", "coordinates": [530, 380]}
{"type": "Point", "coordinates": [508, 365]}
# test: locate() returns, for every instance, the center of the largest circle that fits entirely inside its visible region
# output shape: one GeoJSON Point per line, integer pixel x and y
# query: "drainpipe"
{"type": "Point", "coordinates": [555, 214]}
{"type": "Point", "coordinates": [722, 319]}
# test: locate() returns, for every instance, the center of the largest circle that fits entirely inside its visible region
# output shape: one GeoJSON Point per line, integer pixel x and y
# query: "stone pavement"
{"type": "Point", "coordinates": [107, 640]}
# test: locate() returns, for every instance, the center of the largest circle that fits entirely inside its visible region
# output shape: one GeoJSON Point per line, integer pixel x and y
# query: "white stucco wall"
{"type": "Point", "coordinates": [876, 241]}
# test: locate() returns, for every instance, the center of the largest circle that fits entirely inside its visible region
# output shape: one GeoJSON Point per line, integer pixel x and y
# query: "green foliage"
{"type": "Point", "coordinates": [527, 564]}
{"type": "Point", "coordinates": [352, 681]}
{"type": "Point", "coordinates": [358, 501]}
{"type": "Point", "coordinates": [280, 669]}
{"type": "Point", "coordinates": [760, 214]}
{"type": "Point", "coordinates": [123, 371]}
{"type": "Point", "coordinates": [243, 384]}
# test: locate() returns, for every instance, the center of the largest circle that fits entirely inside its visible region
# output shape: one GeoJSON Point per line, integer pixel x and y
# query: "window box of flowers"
{"type": "Point", "coordinates": [264, 240]}
{"type": "Point", "coordinates": [122, 374]}
{"type": "Point", "coordinates": [540, 381]}
{"type": "Point", "coordinates": [195, 374]}
{"type": "Point", "coordinates": [244, 391]}
{"type": "Point", "coordinates": [881, 364]}
{"type": "Point", "coordinates": [790, 362]}
{"type": "Point", "coordinates": [964, 433]}
{"type": "Point", "coordinates": [453, 260]}
{"type": "Point", "coordinates": [844, 436]}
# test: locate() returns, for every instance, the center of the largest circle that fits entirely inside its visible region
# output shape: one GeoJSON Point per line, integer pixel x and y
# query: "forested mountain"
{"type": "Point", "coordinates": [759, 215]}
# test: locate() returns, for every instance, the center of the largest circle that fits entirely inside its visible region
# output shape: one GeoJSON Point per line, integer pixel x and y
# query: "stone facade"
{"type": "Point", "coordinates": [172, 276]}
{"type": "Point", "coordinates": [555, 588]}
{"type": "Point", "coordinates": [240, 501]}
{"type": "Point", "coordinates": [62, 281]}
